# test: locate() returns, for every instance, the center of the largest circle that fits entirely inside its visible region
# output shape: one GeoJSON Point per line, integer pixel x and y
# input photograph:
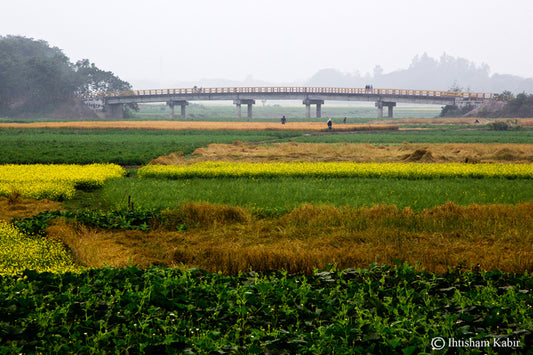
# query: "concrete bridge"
{"type": "Point", "coordinates": [111, 103]}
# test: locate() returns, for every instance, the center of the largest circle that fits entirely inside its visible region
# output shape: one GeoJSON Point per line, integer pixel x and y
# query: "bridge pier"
{"type": "Point", "coordinates": [308, 103]}
{"type": "Point", "coordinates": [182, 103]}
{"type": "Point", "coordinates": [240, 102]}
{"type": "Point", "coordinates": [114, 110]}
{"type": "Point", "coordinates": [389, 105]}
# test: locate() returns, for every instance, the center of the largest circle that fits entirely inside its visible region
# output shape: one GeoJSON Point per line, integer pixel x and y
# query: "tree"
{"type": "Point", "coordinates": [33, 75]}
{"type": "Point", "coordinates": [520, 106]}
{"type": "Point", "coordinates": [36, 78]}
{"type": "Point", "coordinates": [97, 81]}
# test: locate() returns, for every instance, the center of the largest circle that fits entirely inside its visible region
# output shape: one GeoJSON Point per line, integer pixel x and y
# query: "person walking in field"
{"type": "Point", "coordinates": [330, 124]}
{"type": "Point", "coordinates": [283, 120]}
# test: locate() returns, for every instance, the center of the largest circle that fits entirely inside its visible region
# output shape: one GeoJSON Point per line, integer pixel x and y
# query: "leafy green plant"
{"type": "Point", "coordinates": [123, 219]}
{"type": "Point", "coordinates": [382, 309]}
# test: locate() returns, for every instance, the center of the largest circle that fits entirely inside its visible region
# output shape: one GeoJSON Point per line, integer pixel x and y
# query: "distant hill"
{"type": "Point", "coordinates": [426, 73]}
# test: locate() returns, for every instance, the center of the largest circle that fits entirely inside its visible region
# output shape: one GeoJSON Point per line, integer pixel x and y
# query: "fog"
{"type": "Point", "coordinates": [163, 43]}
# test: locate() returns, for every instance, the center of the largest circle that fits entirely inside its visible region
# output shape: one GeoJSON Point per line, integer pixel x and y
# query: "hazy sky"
{"type": "Point", "coordinates": [279, 41]}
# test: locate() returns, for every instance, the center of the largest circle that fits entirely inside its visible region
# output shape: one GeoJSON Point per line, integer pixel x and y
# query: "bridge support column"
{"type": "Point", "coordinates": [308, 103]}
{"type": "Point", "coordinates": [240, 102]}
{"type": "Point", "coordinates": [182, 103]}
{"type": "Point", "coordinates": [389, 105]}
{"type": "Point", "coordinates": [114, 111]}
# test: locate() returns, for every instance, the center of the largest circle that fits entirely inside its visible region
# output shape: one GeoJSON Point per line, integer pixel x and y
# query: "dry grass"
{"type": "Point", "coordinates": [198, 125]}
{"type": "Point", "coordinates": [451, 152]}
{"type": "Point", "coordinates": [227, 239]}
{"type": "Point", "coordinates": [15, 206]}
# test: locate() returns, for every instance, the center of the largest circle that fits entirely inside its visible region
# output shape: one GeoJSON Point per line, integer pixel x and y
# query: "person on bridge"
{"type": "Point", "coordinates": [330, 124]}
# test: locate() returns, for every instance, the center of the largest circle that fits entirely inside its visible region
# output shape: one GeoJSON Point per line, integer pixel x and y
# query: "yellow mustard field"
{"type": "Point", "coordinates": [54, 181]}
{"type": "Point", "coordinates": [19, 252]}
{"type": "Point", "coordinates": [338, 169]}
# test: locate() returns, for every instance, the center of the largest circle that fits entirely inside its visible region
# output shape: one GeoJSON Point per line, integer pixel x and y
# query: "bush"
{"type": "Point", "coordinates": [509, 125]}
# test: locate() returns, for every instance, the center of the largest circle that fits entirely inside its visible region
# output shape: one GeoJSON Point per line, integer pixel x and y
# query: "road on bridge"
{"type": "Point", "coordinates": [110, 104]}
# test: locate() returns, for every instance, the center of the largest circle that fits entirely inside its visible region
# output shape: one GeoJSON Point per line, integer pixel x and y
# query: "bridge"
{"type": "Point", "coordinates": [111, 104]}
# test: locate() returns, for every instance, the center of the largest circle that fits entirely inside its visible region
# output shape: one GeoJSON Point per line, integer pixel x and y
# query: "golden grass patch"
{"type": "Point", "coordinates": [436, 239]}
{"type": "Point", "coordinates": [18, 207]}
{"type": "Point", "coordinates": [357, 152]}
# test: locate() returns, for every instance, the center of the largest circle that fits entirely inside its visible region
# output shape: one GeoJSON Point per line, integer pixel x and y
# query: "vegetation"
{"type": "Point", "coordinates": [382, 309]}
{"type": "Point", "coordinates": [308, 231]}
{"type": "Point", "coordinates": [138, 147]}
{"type": "Point", "coordinates": [504, 126]}
{"type": "Point", "coordinates": [516, 107]}
{"type": "Point", "coordinates": [56, 182]}
{"type": "Point", "coordinates": [432, 135]}
{"type": "Point", "coordinates": [229, 239]}
{"type": "Point", "coordinates": [520, 106]}
{"type": "Point", "coordinates": [19, 252]}
{"type": "Point", "coordinates": [282, 194]}
{"type": "Point", "coordinates": [455, 111]}
{"type": "Point", "coordinates": [413, 171]}
{"type": "Point", "coordinates": [124, 147]}
{"type": "Point", "coordinates": [36, 78]}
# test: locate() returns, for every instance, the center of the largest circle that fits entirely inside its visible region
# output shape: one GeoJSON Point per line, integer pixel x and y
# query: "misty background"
{"type": "Point", "coordinates": [424, 73]}
{"type": "Point", "coordinates": [481, 45]}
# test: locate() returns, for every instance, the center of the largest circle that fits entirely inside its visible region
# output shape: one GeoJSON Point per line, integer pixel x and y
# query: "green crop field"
{"type": "Point", "coordinates": [280, 195]}
{"type": "Point", "coordinates": [138, 147]}
{"type": "Point", "coordinates": [125, 147]}
{"type": "Point", "coordinates": [266, 264]}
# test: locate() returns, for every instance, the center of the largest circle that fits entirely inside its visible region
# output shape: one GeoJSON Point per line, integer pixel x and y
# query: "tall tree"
{"type": "Point", "coordinates": [96, 81]}
{"type": "Point", "coordinates": [35, 78]}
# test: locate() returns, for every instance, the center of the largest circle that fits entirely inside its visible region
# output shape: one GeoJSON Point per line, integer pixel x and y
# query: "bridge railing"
{"type": "Point", "coordinates": [297, 90]}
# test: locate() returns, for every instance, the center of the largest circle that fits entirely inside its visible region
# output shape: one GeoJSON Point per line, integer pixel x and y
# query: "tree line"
{"type": "Point", "coordinates": [35, 78]}
{"type": "Point", "coordinates": [519, 106]}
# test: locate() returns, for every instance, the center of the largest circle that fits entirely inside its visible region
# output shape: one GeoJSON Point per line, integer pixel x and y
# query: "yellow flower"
{"type": "Point", "coordinates": [337, 169]}
{"type": "Point", "coordinates": [55, 182]}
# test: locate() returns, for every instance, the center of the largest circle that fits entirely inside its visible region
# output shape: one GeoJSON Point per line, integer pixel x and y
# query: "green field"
{"type": "Point", "coordinates": [240, 222]}
{"type": "Point", "coordinates": [124, 147]}
{"type": "Point", "coordinates": [280, 195]}
{"type": "Point", "coordinates": [138, 147]}
{"type": "Point", "coordinates": [433, 135]}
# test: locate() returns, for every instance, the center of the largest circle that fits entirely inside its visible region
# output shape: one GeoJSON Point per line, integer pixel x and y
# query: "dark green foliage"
{"type": "Point", "coordinates": [455, 111]}
{"type": "Point", "coordinates": [432, 135]}
{"type": "Point", "coordinates": [96, 81]}
{"type": "Point", "coordinates": [33, 76]}
{"type": "Point", "coordinates": [125, 219]}
{"type": "Point", "coordinates": [36, 78]}
{"type": "Point", "coordinates": [124, 147]}
{"type": "Point", "coordinates": [509, 125]}
{"type": "Point", "coordinates": [384, 309]}
{"type": "Point", "coordinates": [520, 106]}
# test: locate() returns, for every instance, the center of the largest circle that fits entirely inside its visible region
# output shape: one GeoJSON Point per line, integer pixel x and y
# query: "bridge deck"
{"type": "Point", "coordinates": [309, 95]}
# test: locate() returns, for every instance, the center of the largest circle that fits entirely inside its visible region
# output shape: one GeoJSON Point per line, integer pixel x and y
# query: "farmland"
{"type": "Point", "coordinates": [265, 241]}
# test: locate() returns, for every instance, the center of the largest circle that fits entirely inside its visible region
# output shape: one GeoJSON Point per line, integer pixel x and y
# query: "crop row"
{"type": "Point", "coordinates": [56, 182]}
{"type": "Point", "coordinates": [337, 170]}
